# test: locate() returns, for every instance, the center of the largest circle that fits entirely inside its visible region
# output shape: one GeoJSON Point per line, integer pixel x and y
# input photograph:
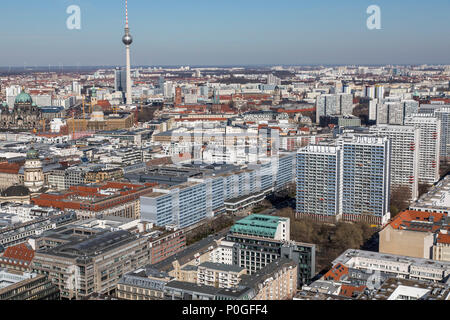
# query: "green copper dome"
{"type": "Point", "coordinates": [23, 97]}
{"type": "Point", "coordinates": [32, 154]}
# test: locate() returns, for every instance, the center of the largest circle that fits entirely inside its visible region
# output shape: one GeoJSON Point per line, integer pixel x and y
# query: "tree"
{"type": "Point", "coordinates": [287, 212]}
{"type": "Point", "coordinates": [362, 111]}
{"type": "Point", "coordinates": [444, 168]}
{"type": "Point", "coordinates": [348, 235]}
{"type": "Point", "coordinates": [400, 197]}
{"type": "Point", "coordinates": [423, 188]}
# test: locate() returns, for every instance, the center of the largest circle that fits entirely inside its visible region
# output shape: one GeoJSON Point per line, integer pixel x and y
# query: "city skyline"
{"type": "Point", "coordinates": [205, 33]}
{"type": "Point", "coordinates": [229, 153]}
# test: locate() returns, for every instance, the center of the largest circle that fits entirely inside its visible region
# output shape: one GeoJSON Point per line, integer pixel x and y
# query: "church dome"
{"type": "Point", "coordinates": [23, 97]}
{"type": "Point", "coordinates": [97, 108]}
{"type": "Point", "coordinates": [32, 154]}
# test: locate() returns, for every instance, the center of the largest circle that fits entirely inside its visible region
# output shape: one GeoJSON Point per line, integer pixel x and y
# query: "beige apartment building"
{"type": "Point", "coordinates": [276, 281]}
{"type": "Point", "coordinates": [219, 275]}
{"type": "Point", "coordinates": [417, 234]}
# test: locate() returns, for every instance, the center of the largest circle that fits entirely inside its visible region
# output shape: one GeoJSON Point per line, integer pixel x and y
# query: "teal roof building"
{"type": "Point", "coordinates": [264, 226]}
{"type": "Point", "coordinates": [23, 98]}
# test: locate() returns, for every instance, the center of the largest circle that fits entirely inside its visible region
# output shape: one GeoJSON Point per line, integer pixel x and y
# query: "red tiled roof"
{"type": "Point", "coordinates": [403, 221]}
{"type": "Point", "coordinates": [443, 238]}
{"type": "Point", "coordinates": [19, 253]}
{"type": "Point", "coordinates": [159, 161]}
{"type": "Point", "coordinates": [336, 273]}
{"type": "Point", "coordinates": [349, 291]}
{"type": "Point", "coordinates": [103, 103]}
{"type": "Point", "coordinates": [13, 168]}
{"type": "Point", "coordinates": [72, 198]}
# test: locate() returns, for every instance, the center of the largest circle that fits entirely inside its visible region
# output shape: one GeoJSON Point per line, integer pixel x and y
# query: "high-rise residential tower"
{"type": "Point", "coordinates": [393, 111]}
{"type": "Point", "coordinates": [318, 182]}
{"type": "Point", "coordinates": [442, 112]}
{"type": "Point", "coordinates": [334, 104]}
{"type": "Point", "coordinates": [405, 143]}
{"type": "Point", "coordinates": [348, 179]}
{"type": "Point", "coordinates": [429, 149]}
{"type": "Point", "coordinates": [366, 166]}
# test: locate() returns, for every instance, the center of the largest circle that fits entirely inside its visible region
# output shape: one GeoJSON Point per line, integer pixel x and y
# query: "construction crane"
{"type": "Point", "coordinates": [84, 115]}
{"type": "Point", "coordinates": [73, 124]}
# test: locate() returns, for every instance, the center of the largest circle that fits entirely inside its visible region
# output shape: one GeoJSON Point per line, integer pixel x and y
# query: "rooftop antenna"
{"type": "Point", "coordinates": [126, 14]}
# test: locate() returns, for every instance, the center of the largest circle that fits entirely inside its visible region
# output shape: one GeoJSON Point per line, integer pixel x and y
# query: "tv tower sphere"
{"type": "Point", "coordinates": [127, 39]}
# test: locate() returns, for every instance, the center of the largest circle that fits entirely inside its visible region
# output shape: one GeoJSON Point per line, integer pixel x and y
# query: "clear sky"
{"type": "Point", "coordinates": [225, 32]}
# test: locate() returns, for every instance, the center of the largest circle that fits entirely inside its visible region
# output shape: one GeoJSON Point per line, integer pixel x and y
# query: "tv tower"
{"type": "Point", "coordinates": [127, 40]}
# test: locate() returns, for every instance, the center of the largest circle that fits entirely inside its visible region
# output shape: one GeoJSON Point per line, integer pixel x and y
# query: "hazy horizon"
{"type": "Point", "coordinates": [233, 33]}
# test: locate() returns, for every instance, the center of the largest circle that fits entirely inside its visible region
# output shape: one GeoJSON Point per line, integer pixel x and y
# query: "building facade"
{"type": "Point", "coordinates": [348, 179]}
{"type": "Point", "coordinates": [405, 145]}
{"type": "Point", "coordinates": [94, 264]}
{"type": "Point", "coordinates": [429, 146]}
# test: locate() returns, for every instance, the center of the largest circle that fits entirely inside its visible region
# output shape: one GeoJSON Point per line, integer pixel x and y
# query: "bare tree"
{"type": "Point", "coordinates": [400, 198]}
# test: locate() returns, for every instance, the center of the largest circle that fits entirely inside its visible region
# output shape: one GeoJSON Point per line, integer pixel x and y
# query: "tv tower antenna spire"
{"type": "Point", "coordinates": [127, 41]}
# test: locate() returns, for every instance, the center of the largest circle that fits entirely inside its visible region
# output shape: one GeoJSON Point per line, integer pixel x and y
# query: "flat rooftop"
{"type": "Point", "coordinates": [258, 224]}
{"type": "Point", "coordinates": [437, 198]}
{"type": "Point", "coordinates": [353, 253]}
{"type": "Point", "coordinates": [221, 267]}
{"type": "Point", "coordinates": [91, 246]}
{"type": "Point", "coordinates": [8, 278]}
{"type": "Point", "coordinates": [392, 287]}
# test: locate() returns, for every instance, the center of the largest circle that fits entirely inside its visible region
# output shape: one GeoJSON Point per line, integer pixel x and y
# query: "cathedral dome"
{"type": "Point", "coordinates": [32, 154]}
{"type": "Point", "coordinates": [97, 108]}
{"type": "Point", "coordinates": [24, 97]}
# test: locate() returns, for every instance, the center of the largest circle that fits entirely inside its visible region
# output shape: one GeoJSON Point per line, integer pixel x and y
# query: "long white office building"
{"type": "Point", "coordinates": [190, 202]}
{"type": "Point", "coordinates": [397, 266]}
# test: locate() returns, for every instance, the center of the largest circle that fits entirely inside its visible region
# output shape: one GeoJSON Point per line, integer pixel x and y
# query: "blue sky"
{"type": "Point", "coordinates": [225, 32]}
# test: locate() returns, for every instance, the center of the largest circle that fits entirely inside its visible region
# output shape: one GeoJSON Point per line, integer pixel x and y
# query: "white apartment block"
{"type": "Point", "coordinates": [334, 104]}
{"type": "Point", "coordinates": [348, 179]}
{"type": "Point", "coordinates": [366, 167]}
{"type": "Point", "coordinates": [319, 182]}
{"type": "Point", "coordinates": [392, 110]}
{"type": "Point", "coordinates": [442, 112]}
{"type": "Point", "coordinates": [429, 146]}
{"type": "Point", "coordinates": [223, 253]}
{"type": "Point", "coordinates": [405, 142]}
